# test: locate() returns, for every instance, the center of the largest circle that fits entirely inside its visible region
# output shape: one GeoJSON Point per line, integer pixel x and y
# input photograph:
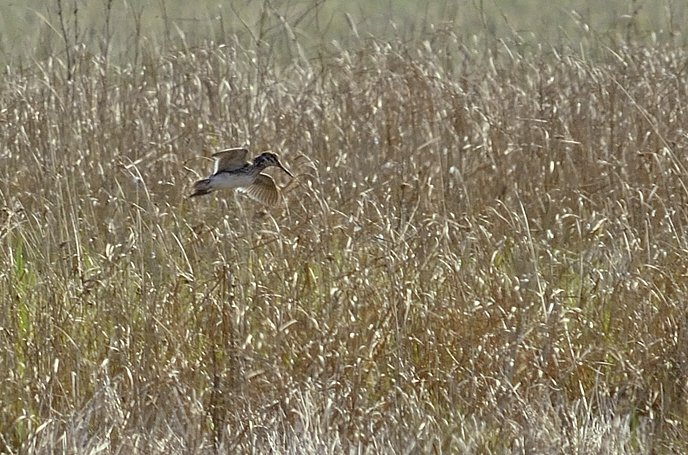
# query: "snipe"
{"type": "Point", "coordinates": [232, 171]}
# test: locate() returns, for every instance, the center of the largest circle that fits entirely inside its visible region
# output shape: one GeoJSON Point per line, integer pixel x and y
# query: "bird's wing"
{"type": "Point", "coordinates": [230, 159]}
{"type": "Point", "coordinates": [262, 190]}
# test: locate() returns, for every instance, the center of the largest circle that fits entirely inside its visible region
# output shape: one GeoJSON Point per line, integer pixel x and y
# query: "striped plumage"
{"type": "Point", "coordinates": [232, 171]}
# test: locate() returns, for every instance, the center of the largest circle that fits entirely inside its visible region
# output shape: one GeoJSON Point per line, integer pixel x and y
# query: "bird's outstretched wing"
{"type": "Point", "coordinates": [230, 159]}
{"type": "Point", "coordinates": [262, 190]}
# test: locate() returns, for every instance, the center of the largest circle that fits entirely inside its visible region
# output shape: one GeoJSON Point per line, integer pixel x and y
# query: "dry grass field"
{"type": "Point", "coordinates": [484, 249]}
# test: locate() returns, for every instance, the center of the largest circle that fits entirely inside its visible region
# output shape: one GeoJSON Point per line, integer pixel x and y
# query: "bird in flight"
{"type": "Point", "coordinates": [233, 171]}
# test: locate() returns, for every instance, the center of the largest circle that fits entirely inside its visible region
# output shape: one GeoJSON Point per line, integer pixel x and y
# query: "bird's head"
{"type": "Point", "coordinates": [268, 159]}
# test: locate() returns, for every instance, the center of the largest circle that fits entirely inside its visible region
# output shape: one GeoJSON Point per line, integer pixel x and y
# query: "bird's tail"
{"type": "Point", "coordinates": [201, 188]}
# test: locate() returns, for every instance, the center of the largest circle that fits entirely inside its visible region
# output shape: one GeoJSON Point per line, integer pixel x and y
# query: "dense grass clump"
{"type": "Point", "coordinates": [483, 250]}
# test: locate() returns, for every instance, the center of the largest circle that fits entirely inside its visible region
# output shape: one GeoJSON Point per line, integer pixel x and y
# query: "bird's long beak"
{"type": "Point", "coordinates": [285, 170]}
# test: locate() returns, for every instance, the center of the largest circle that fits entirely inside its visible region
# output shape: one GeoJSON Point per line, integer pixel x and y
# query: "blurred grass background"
{"type": "Point", "coordinates": [32, 28]}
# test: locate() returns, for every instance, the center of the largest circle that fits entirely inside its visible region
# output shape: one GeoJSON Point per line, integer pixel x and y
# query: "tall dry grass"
{"type": "Point", "coordinates": [483, 251]}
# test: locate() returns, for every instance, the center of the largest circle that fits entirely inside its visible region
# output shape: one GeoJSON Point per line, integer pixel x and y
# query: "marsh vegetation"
{"type": "Point", "coordinates": [483, 250]}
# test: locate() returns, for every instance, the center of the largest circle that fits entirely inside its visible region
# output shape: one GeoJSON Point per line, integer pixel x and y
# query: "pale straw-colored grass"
{"type": "Point", "coordinates": [480, 252]}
